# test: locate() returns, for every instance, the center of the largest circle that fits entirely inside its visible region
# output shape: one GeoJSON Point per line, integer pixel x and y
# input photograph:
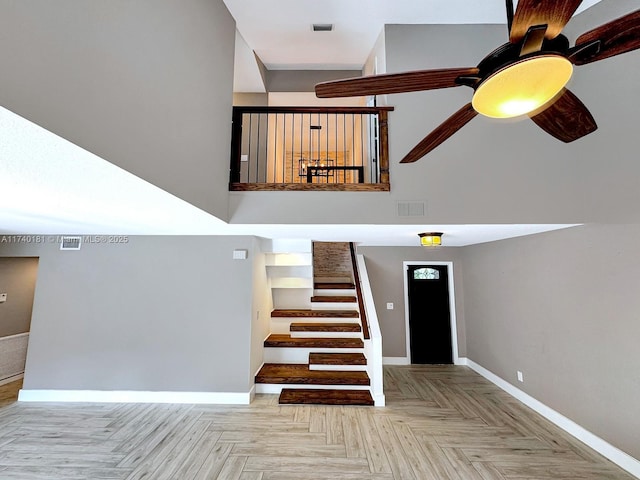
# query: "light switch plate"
{"type": "Point", "coordinates": [389, 306]}
{"type": "Point", "coordinates": [3, 297]}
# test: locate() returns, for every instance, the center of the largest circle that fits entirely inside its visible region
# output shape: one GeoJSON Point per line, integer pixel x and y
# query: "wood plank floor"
{"type": "Point", "coordinates": [441, 423]}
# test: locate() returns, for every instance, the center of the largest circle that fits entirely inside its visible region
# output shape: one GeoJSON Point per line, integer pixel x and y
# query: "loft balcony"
{"type": "Point", "coordinates": [310, 148]}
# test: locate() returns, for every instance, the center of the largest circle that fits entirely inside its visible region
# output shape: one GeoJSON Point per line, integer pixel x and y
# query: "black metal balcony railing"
{"type": "Point", "coordinates": [309, 148]}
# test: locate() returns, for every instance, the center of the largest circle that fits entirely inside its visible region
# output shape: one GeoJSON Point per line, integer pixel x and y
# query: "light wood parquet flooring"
{"type": "Point", "coordinates": [441, 423]}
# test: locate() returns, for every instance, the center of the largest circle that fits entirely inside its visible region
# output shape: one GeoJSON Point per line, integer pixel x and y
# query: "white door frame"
{"type": "Point", "coordinates": [452, 307]}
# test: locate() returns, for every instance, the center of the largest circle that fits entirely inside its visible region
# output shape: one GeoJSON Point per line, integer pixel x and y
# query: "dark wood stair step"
{"type": "Point", "coordinates": [334, 286]}
{"type": "Point", "coordinates": [284, 340]}
{"type": "Point", "coordinates": [325, 327]}
{"type": "Point", "coordinates": [307, 313]}
{"type": "Point", "coordinates": [299, 374]}
{"type": "Point", "coordinates": [337, 359]}
{"type": "Point", "coordinates": [323, 396]}
{"type": "Point", "coordinates": [333, 299]}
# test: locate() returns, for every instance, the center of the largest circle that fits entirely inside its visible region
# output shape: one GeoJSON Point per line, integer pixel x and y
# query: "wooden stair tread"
{"type": "Point", "coordinates": [333, 286]}
{"type": "Point", "coordinates": [284, 373]}
{"type": "Point", "coordinates": [284, 340]}
{"type": "Point", "coordinates": [307, 313]}
{"type": "Point", "coordinates": [323, 396]}
{"type": "Point", "coordinates": [325, 327]}
{"type": "Point", "coordinates": [333, 299]}
{"type": "Point", "coordinates": [337, 359]}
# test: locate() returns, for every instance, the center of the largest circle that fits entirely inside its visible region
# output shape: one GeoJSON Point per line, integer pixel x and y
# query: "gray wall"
{"type": "Point", "coordinates": [562, 307]}
{"type": "Point", "coordinates": [154, 314]}
{"type": "Point", "coordinates": [145, 84]}
{"type": "Point", "coordinates": [303, 80]}
{"type": "Point", "coordinates": [18, 281]}
{"type": "Point", "coordinates": [386, 275]}
{"type": "Point", "coordinates": [262, 304]}
{"type": "Point", "coordinates": [491, 171]}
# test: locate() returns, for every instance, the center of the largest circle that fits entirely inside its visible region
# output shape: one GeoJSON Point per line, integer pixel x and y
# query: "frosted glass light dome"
{"type": "Point", "coordinates": [522, 87]}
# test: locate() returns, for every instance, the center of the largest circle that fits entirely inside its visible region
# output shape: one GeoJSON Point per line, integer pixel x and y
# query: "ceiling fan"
{"type": "Point", "coordinates": [525, 76]}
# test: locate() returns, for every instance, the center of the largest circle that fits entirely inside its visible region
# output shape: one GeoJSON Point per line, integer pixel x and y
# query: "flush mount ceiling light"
{"type": "Point", "coordinates": [526, 76]}
{"type": "Point", "coordinates": [430, 239]}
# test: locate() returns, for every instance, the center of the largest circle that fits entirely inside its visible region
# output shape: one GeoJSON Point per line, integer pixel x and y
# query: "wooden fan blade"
{"type": "Point", "coordinates": [618, 36]}
{"type": "Point", "coordinates": [553, 13]}
{"type": "Point", "coordinates": [450, 126]}
{"type": "Point", "coordinates": [393, 83]}
{"type": "Point", "coordinates": [567, 118]}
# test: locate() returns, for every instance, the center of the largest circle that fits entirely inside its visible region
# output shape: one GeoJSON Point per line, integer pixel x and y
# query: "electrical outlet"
{"type": "Point", "coordinates": [389, 305]}
{"type": "Point", "coordinates": [520, 376]}
{"type": "Point", "coordinates": [3, 297]}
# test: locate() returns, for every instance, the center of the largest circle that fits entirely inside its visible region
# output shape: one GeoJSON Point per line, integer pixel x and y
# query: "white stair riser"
{"type": "Point", "coordinates": [300, 355]}
{"type": "Point", "coordinates": [291, 298]}
{"type": "Point", "coordinates": [333, 306]}
{"type": "Point", "coordinates": [274, 388]}
{"type": "Point", "coordinates": [291, 282]}
{"type": "Point", "coordinates": [288, 259]}
{"type": "Point", "coordinates": [340, 368]}
{"type": "Point", "coordinates": [278, 271]}
{"type": "Point", "coordinates": [332, 292]}
{"type": "Point", "coordinates": [326, 334]}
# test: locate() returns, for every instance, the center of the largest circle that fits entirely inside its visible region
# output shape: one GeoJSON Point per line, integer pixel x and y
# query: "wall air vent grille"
{"type": "Point", "coordinates": [70, 243]}
{"type": "Point", "coordinates": [411, 209]}
{"type": "Point", "coordinates": [322, 27]}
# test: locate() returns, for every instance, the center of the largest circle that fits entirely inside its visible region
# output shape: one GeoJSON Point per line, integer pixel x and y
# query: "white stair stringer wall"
{"type": "Point", "coordinates": [289, 266]}
{"type": "Point", "coordinates": [373, 345]}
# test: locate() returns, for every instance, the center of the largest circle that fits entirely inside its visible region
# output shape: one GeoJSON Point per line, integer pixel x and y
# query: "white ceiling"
{"type": "Point", "coordinates": [280, 32]}
{"type": "Point", "coordinates": [52, 186]}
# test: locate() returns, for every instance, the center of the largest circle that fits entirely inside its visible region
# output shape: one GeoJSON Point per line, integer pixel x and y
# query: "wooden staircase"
{"type": "Point", "coordinates": [321, 359]}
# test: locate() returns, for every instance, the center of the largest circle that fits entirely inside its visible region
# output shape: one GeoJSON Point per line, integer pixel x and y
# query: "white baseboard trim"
{"type": "Point", "coordinates": [396, 361]}
{"type": "Point", "coordinates": [12, 378]}
{"type": "Point", "coordinates": [125, 396]}
{"type": "Point", "coordinates": [617, 456]}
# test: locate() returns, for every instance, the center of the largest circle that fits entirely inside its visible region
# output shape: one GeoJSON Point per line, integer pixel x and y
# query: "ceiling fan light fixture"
{"type": "Point", "coordinates": [522, 87]}
{"type": "Point", "coordinates": [430, 239]}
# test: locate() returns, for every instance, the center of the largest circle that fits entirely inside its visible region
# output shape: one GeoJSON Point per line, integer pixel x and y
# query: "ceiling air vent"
{"type": "Point", "coordinates": [70, 243]}
{"type": "Point", "coordinates": [411, 209]}
{"type": "Point", "coordinates": [322, 27]}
